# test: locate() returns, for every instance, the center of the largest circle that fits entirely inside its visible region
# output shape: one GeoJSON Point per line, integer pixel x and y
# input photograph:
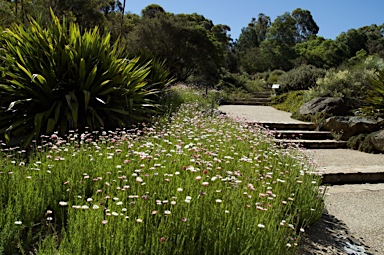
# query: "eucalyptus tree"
{"type": "Point", "coordinates": [321, 52]}
{"type": "Point", "coordinates": [246, 48]}
{"type": "Point", "coordinates": [306, 27]}
{"type": "Point", "coordinates": [279, 42]}
{"type": "Point", "coordinates": [190, 43]}
{"type": "Point", "coordinates": [87, 13]}
{"type": "Point", "coordinates": [7, 14]}
{"type": "Point", "coordinates": [354, 39]}
{"type": "Point", "coordinates": [285, 32]}
{"type": "Point", "coordinates": [254, 33]}
{"type": "Point", "coordinates": [375, 39]}
{"type": "Point", "coordinates": [368, 38]}
{"type": "Point", "coordinates": [151, 10]}
{"type": "Point", "coordinates": [111, 6]}
{"type": "Point", "coordinates": [19, 11]}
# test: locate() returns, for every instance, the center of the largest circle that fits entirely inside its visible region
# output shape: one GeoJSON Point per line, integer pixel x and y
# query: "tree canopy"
{"type": "Point", "coordinates": [193, 45]}
{"type": "Point", "coordinates": [190, 44]}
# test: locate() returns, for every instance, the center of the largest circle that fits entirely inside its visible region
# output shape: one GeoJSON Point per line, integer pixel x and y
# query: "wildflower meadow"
{"type": "Point", "coordinates": [195, 183]}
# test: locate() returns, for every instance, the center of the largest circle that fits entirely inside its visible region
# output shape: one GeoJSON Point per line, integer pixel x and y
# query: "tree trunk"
{"type": "Point", "coordinates": [22, 11]}
{"type": "Point", "coordinates": [122, 18]}
{"type": "Point", "coordinates": [16, 2]}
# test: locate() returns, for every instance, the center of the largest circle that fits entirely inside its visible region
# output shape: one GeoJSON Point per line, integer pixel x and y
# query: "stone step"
{"type": "Point", "coordinates": [336, 175]}
{"type": "Point", "coordinates": [262, 94]}
{"type": "Point", "coordinates": [312, 144]}
{"type": "Point", "coordinates": [260, 98]}
{"type": "Point", "coordinates": [352, 178]}
{"type": "Point", "coordinates": [302, 134]}
{"type": "Point", "coordinates": [259, 101]}
{"type": "Point", "coordinates": [287, 125]}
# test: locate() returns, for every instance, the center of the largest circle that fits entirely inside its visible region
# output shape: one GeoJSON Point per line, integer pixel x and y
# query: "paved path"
{"type": "Point", "coordinates": [360, 207]}
{"type": "Point", "coordinates": [258, 113]}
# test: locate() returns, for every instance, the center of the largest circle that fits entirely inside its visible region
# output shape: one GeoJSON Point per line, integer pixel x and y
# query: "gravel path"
{"type": "Point", "coordinates": [353, 220]}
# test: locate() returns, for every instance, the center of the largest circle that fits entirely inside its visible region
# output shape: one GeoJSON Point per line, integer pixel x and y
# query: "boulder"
{"type": "Point", "coordinates": [377, 140]}
{"type": "Point", "coordinates": [347, 126]}
{"type": "Point", "coordinates": [327, 105]}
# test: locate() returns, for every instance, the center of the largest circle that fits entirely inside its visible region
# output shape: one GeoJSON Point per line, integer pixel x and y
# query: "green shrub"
{"type": "Point", "coordinates": [232, 94]}
{"type": "Point", "coordinates": [233, 80]}
{"type": "Point", "coordinates": [180, 94]}
{"type": "Point", "coordinates": [352, 84]}
{"type": "Point", "coordinates": [367, 146]}
{"type": "Point", "coordinates": [289, 102]}
{"type": "Point", "coordinates": [262, 76]}
{"type": "Point", "coordinates": [302, 77]}
{"type": "Point", "coordinates": [367, 62]}
{"type": "Point", "coordinates": [58, 78]}
{"type": "Point", "coordinates": [274, 76]}
{"type": "Point", "coordinates": [362, 142]}
{"type": "Point", "coordinates": [349, 84]}
{"type": "Point", "coordinates": [374, 96]}
{"type": "Point", "coordinates": [255, 85]}
{"type": "Point", "coordinates": [355, 141]}
{"type": "Point", "coordinates": [240, 85]}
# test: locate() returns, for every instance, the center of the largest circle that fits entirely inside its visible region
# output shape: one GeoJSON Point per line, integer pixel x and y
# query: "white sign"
{"type": "Point", "coordinates": [275, 86]}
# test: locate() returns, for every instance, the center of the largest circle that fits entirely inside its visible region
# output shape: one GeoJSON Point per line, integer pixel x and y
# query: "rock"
{"type": "Point", "coordinates": [328, 105]}
{"type": "Point", "coordinates": [347, 126]}
{"type": "Point", "coordinates": [377, 140]}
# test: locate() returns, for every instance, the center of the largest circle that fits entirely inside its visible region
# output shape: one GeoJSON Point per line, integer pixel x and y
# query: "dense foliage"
{"type": "Point", "coordinates": [58, 78]}
{"type": "Point", "coordinates": [350, 82]}
{"type": "Point", "coordinates": [286, 50]}
{"type": "Point", "coordinates": [362, 142]}
{"type": "Point", "coordinates": [196, 47]}
{"type": "Point", "coordinates": [187, 43]}
{"type": "Point", "coordinates": [300, 78]}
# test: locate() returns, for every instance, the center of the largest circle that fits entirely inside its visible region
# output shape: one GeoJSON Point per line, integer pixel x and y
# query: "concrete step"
{"type": "Point", "coordinates": [303, 134]}
{"type": "Point", "coordinates": [287, 125]}
{"type": "Point", "coordinates": [355, 188]}
{"type": "Point", "coordinates": [260, 98]}
{"type": "Point", "coordinates": [336, 175]}
{"type": "Point", "coordinates": [258, 101]}
{"type": "Point", "coordinates": [313, 144]}
{"type": "Point", "coordinates": [265, 94]}
{"type": "Point", "coordinates": [353, 178]}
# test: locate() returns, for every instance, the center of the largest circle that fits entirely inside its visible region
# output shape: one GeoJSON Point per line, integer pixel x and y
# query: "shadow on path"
{"type": "Point", "coordinates": [331, 236]}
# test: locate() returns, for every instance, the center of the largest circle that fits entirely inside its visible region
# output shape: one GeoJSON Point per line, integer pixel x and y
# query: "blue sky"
{"type": "Point", "coordinates": [332, 16]}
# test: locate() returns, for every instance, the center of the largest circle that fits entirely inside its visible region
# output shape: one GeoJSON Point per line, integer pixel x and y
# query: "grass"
{"type": "Point", "coordinates": [183, 94]}
{"type": "Point", "coordinates": [200, 184]}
